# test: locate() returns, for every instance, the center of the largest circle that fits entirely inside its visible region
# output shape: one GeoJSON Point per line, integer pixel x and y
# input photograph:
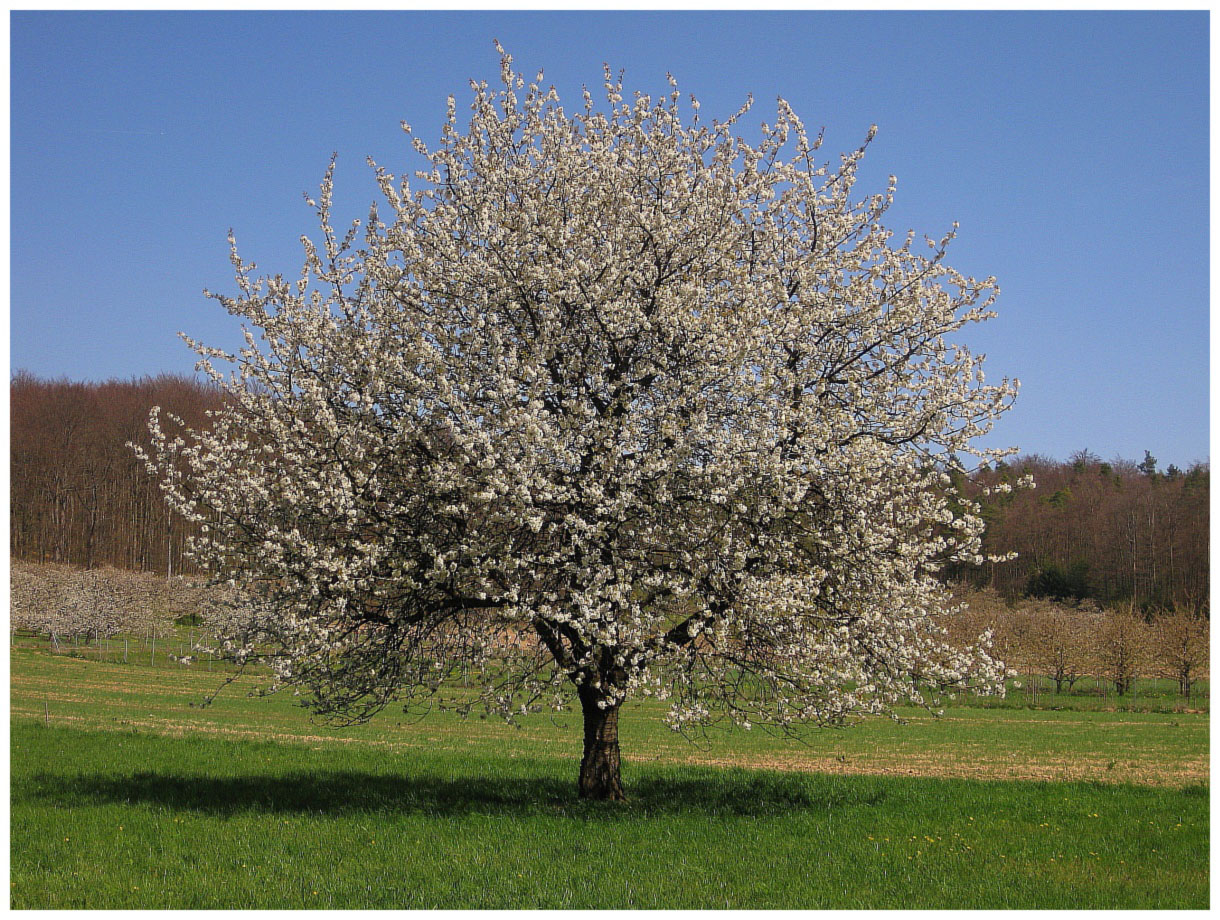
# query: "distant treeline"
{"type": "Point", "coordinates": [1110, 531]}
{"type": "Point", "coordinates": [78, 494]}
{"type": "Point", "coordinates": [1115, 531]}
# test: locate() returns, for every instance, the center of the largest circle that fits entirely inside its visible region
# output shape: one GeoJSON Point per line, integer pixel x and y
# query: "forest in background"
{"type": "Point", "coordinates": [78, 495]}
{"type": "Point", "coordinates": [1108, 531]}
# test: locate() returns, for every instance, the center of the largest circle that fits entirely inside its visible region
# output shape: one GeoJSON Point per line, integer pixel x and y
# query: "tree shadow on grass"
{"type": "Point", "coordinates": [696, 792]}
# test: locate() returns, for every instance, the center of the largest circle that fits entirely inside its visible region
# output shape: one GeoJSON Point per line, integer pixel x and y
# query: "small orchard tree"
{"type": "Point", "coordinates": [1122, 647]}
{"type": "Point", "coordinates": [599, 404]}
{"type": "Point", "coordinates": [1061, 640]}
{"type": "Point", "coordinates": [1180, 644]}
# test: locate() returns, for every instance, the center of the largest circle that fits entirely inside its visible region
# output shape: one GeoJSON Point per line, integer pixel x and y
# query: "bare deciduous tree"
{"type": "Point", "coordinates": [1122, 648]}
{"type": "Point", "coordinates": [1181, 645]}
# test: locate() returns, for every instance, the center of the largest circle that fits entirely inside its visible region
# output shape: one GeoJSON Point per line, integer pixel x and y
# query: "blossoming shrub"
{"type": "Point", "coordinates": [66, 602]}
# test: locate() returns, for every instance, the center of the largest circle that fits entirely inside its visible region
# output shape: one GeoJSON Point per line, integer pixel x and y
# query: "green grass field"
{"type": "Point", "coordinates": [127, 795]}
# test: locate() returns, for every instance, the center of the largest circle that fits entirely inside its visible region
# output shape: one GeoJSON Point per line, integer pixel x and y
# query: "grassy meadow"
{"type": "Point", "coordinates": [127, 794]}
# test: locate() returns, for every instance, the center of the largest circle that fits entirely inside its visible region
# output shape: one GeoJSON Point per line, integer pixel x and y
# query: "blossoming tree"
{"type": "Point", "coordinates": [596, 405]}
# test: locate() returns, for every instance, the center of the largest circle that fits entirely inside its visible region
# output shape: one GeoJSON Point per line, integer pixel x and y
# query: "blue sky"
{"type": "Point", "coordinates": [1071, 147]}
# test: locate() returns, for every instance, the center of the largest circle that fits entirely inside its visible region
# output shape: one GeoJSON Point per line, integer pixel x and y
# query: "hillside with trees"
{"type": "Point", "coordinates": [1116, 531]}
{"type": "Point", "coordinates": [79, 496]}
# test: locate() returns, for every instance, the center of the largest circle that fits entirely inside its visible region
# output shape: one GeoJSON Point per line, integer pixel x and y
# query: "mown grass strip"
{"type": "Point", "coordinates": [1140, 747]}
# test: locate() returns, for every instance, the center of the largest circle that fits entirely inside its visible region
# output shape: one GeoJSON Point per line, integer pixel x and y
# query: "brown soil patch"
{"type": "Point", "coordinates": [173, 729]}
{"type": "Point", "coordinates": [1054, 769]}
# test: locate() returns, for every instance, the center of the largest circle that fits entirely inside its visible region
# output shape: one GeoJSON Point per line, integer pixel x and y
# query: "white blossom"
{"type": "Point", "coordinates": [601, 403]}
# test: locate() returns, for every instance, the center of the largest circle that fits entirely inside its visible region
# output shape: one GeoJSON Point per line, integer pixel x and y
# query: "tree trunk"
{"type": "Point", "coordinates": [599, 767]}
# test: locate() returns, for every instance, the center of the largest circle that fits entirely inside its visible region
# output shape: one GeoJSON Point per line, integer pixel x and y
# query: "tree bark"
{"type": "Point", "coordinates": [599, 767]}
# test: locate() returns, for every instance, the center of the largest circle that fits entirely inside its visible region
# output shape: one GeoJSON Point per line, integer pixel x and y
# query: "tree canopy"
{"type": "Point", "coordinates": [600, 404]}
